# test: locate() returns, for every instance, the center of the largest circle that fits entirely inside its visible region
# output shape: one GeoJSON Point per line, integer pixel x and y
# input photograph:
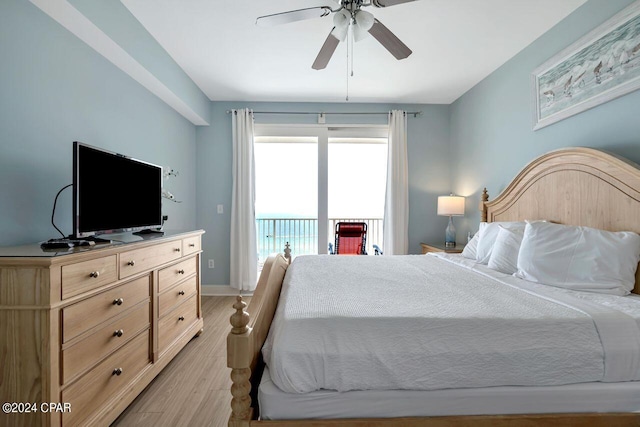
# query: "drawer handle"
{"type": "Point", "coordinates": [181, 318]}
{"type": "Point", "coordinates": [181, 293]}
{"type": "Point", "coordinates": [180, 271]}
{"type": "Point", "coordinates": [117, 371]}
{"type": "Point", "coordinates": [131, 263]}
{"type": "Point", "coordinates": [118, 301]}
{"type": "Point", "coordinates": [192, 245]}
{"type": "Point", "coordinates": [118, 333]}
{"type": "Point", "coordinates": [176, 250]}
{"type": "Point", "coordinates": [94, 274]}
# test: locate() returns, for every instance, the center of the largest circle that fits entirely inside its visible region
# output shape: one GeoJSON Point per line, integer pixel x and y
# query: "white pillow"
{"type": "Point", "coordinates": [579, 258]}
{"type": "Point", "coordinates": [470, 249]}
{"type": "Point", "coordinates": [504, 256]}
{"type": "Point", "coordinates": [488, 233]}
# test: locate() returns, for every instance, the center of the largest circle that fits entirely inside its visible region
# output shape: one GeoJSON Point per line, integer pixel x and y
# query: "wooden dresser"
{"type": "Point", "coordinates": [91, 328]}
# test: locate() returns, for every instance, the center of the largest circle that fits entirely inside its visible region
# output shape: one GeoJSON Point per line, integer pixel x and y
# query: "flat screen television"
{"type": "Point", "coordinates": [113, 193]}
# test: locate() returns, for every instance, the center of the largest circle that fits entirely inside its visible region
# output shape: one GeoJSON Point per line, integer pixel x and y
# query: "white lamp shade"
{"type": "Point", "coordinates": [359, 33]}
{"type": "Point", "coordinates": [341, 20]}
{"type": "Point", "coordinates": [451, 205]}
{"type": "Point", "coordinates": [364, 22]}
{"type": "Point", "coordinates": [340, 33]}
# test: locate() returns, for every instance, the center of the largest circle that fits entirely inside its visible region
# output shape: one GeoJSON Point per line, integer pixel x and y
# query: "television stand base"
{"type": "Point", "coordinates": [78, 240]}
{"type": "Point", "coordinates": [97, 240]}
{"type": "Point", "coordinates": [148, 231]}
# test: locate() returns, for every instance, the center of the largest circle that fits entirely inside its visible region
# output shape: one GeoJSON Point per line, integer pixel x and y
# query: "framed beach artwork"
{"type": "Point", "coordinates": [601, 66]}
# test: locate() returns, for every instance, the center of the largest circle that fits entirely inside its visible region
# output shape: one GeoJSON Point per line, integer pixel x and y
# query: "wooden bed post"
{"type": "Point", "coordinates": [287, 252]}
{"type": "Point", "coordinates": [248, 334]}
{"type": "Point", "coordinates": [483, 205]}
{"type": "Point", "coordinates": [238, 348]}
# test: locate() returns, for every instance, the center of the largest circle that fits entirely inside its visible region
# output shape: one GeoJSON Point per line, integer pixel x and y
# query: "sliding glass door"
{"type": "Point", "coordinates": [310, 177]}
{"type": "Point", "coordinates": [286, 194]}
{"type": "Point", "coordinates": [357, 169]}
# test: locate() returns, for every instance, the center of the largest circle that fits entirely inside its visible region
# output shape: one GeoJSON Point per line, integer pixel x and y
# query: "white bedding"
{"type": "Point", "coordinates": [419, 323]}
{"type": "Point", "coordinates": [570, 398]}
{"type": "Point", "coordinates": [616, 318]}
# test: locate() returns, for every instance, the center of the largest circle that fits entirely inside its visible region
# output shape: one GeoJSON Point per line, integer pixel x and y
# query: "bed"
{"type": "Point", "coordinates": [575, 186]}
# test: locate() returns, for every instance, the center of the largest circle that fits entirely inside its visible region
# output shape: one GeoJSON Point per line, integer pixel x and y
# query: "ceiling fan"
{"type": "Point", "coordinates": [348, 12]}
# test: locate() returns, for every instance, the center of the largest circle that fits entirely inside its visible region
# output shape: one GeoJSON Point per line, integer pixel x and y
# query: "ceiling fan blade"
{"type": "Point", "coordinates": [326, 52]}
{"type": "Point", "coordinates": [387, 3]}
{"type": "Point", "coordinates": [293, 16]}
{"type": "Point", "coordinates": [389, 40]}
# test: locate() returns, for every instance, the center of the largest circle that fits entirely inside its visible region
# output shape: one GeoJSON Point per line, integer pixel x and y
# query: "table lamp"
{"type": "Point", "coordinates": [450, 206]}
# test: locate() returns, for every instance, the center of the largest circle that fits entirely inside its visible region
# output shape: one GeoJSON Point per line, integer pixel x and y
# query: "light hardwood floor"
{"type": "Point", "coordinates": [193, 390]}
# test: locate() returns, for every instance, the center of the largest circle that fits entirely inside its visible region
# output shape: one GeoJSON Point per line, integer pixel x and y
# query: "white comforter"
{"type": "Point", "coordinates": [421, 323]}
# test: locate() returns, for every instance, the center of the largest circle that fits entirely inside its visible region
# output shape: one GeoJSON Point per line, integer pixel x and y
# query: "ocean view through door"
{"type": "Point", "coordinates": [307, 183]}
{"type": "Point", "coordinates": [286, 194]}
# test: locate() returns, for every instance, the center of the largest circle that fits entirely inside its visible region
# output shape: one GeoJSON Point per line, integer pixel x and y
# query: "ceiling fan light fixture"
{"type": "Point", "coordinates": [359, 33]}
{"type": "Point", "coordinates": [342, 19]}
{"type": "Point", "coordinates": [364, 22]}
{"type": "Point", "coordinates": [340, 33]}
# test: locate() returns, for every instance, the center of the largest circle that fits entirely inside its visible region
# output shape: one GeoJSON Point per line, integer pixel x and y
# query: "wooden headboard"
{"type": "Point", "coordinates": [574, 186]}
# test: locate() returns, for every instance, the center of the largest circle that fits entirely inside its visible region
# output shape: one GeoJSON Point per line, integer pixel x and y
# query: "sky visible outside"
{"type": "Point", "coordinates": [357, 176]}
{"type": "Point", "coordinates": [286, 180]}
{"type": "Point", "coordinates": [357, 180]}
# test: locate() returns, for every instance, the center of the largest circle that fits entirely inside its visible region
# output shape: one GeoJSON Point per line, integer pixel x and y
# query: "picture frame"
{"type": "Point", "coordinates": [602, 65]}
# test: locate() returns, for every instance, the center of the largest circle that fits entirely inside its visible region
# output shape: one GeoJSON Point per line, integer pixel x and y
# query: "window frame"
{"type": "Point", "coordinates": [323, 132]}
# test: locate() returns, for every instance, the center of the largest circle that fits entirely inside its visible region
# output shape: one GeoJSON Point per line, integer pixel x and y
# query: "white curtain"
{"type": "Point", "coordinates": [396, 203]}
{"type": "Point", "coordinates": [244, 250]}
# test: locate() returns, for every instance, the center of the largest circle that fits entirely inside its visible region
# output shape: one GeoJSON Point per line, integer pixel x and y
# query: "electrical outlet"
{"type": "Point", "coordinates": [211, 264]}
{"type": "Point", "coordinates": [220, 209]}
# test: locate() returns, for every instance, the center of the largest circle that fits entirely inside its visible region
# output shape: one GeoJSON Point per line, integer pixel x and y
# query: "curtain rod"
{"type": "Point", "coordinates": [414, 113]}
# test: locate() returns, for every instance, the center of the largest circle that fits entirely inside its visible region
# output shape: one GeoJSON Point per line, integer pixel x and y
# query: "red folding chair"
{"type": "Point", "coordinates": [351, 238]}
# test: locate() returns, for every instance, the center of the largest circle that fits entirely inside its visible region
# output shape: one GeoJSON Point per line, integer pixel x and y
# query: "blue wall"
{"type": "Point", "coordinates": [491, 126]}
{"type": "Point", "coordinates": [54, 89]}
{"type": "Point", "coordinates": [429, 172]}
{"type": "Point", "coordinates": [115, 20]}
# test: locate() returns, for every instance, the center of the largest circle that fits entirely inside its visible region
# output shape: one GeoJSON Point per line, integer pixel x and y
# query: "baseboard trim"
{"type": "Point", "coordinates": [222, 290]}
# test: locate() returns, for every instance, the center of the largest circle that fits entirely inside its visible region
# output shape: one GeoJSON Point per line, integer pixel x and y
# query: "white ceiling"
{"type": "Point", "coordinates": [455, 43]}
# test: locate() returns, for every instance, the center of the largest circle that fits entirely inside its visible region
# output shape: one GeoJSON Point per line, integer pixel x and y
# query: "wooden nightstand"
{"type": "Point", "coordinates": [439, 247]}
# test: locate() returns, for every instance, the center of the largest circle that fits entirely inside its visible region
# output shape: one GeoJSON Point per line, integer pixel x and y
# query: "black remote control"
{"type": "Point", "coordinates": [60, 244]}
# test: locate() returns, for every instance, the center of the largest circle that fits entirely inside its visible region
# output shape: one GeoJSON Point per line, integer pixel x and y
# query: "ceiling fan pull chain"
{"type": "Point", "coordinates": [347, 72]}
{"type": "Point", "coordinates": [352, 51]}
{"type": "Point", "coordinates": [347, 99]}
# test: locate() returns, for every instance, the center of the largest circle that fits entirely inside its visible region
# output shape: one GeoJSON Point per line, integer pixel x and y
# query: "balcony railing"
{"type": "Point", "coordinates": [302, 234]}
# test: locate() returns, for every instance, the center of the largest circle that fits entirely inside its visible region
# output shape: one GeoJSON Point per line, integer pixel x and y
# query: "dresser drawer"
{"type": "Point", "coordinates": [111, 376]}
{"type": "Point", "coordinates": [191, 245]}
{"type": "Point", "coordinates": [176, 295]}
{"type": "Point", "coordinates": [84, 315]}
{"type": "Point", "coordinates": [91, 350]}
{"type": "Point", "coordinates": [87, 275]}
{"type": "Point", "coordinates": [173, 274]}
{"type": "Point", "coordinates": [176, 322]}
{"type": "Point", "coordinates": [138, 260]}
